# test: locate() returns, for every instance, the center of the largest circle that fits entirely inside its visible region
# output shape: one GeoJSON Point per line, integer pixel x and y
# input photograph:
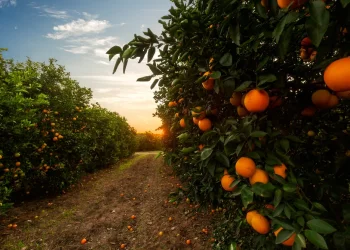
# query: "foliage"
{"type": "Point", "coordinates": [50, 134]}
{"type": "Point", "coordinates": [244, 45]}
{"type": "Point", "coordinates": [148, 141]}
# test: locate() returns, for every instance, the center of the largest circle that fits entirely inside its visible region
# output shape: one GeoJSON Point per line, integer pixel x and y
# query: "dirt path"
{"type": "Point", "coordinates": [100, 209]}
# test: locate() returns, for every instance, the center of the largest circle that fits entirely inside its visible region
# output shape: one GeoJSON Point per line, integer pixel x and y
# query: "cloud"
{"type": "Point", "coordinates": [5, 3]}
{"type": "Point", "coordinates": [101, 52]}
{"type": "Point", "coordinates": [102, 62]}
{"type": "Point", "coordinates": [143, 27]}
{"type": "Point", "coordinates": [78, 28]}
{"type": "Point", "coordinates": [77, 49]}
{"type": "Point", "coordinates": [15, 27]}
{"type": "Point", "coordinates": [95, 41]}
{"type": "Point", "coordinates": [89, 16]}
{"type": "Point", "coordinates": [46, 11]}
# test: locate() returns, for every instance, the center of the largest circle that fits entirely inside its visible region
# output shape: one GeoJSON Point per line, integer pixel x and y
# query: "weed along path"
{"type": "Point", "coordinates": [100, 210]}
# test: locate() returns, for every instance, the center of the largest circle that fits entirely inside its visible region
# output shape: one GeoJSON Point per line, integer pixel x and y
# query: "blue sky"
{"type": "Point", "coordinates": [78, 33]}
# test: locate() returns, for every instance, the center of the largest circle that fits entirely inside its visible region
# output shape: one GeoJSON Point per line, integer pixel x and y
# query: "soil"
{"type": "Point", "coordinates": [100, 207]}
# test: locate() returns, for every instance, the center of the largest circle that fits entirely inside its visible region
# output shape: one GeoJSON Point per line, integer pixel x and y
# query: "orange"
{"type": "Point", "coordinates": [313, 56]}
{"type": "Point", "coordinates": [204, 124]}
{"type": "Point", "coordinates": [256, 100]}
{"type": "Point", "coordinates": [180, 100]}
{"type": "Point", "coordinates": [201, 146]}
{"type": "Point", "coordinates": [172, 104]}
{"type": "Point", "coordinates": [133, 217]}
{"type": "Point", "coordinates": [303, 54]}
{"type": "Point", "coordinates": [249, 216]}
{"type": "Point", "coordinates": [288, 242]}
{"type": "Point", "coordinates": [74, 118]}
{"type": "Point", "coordinates": [337, 75]}
{"type": "Point", "coordinates": [275, 101]}
{"type": "Point", "coordinates": [242, 100]}
{"type": "Point", "coordinates": [214, 111]}
{"type": "Point", "coordinates": [264, 3]}
{"type": "Point", "coordinates": [195, 120]}
{"type": "Point", "coordinates": [259, 176]}
{"type": "Point", "coordinates": [18, 164]}
{"type": "Point", "coordinates": [83, 241]}
{"type": "Point", "coordinates": [55, 139]}
{"type": "Point", "coordinates": [343, 94]}
{"type": "Point", "coordinates": [306, 42]}
{"type": "Point", "coordinates": [177, 115]}
{"type": "Point", "coordinates": [188, 242]}
{"type": "Point", "coordinates": [198, 113]}
{"type": "Point", "coordinates": [208, 84]}
{"type": "Point", "coordinates": [308, 111]}
{"type": "Point", "coordinates": [245, 167]}
{"type": "Point", "coordinates": [236, 98]}
{"type": "Point", "coordinates": [241, 111]}
{"type": "Point", "coordinates": [226, 181]}
{"type": "Point", "coordinates": [182, 123]}
{"type": "Point", "coordinates": [285, 3]}
{"type": "Point", "coordinates": [225, 171]}
{"type": "Point", "coordinates": [269, 206]}
{"type": "Point", "coordinates": [333, 101]}
{"type": "Point", "coordinates": [311, 133]}
{"type": "Point", "coordinates": [122, 246]}
{"type": "Point", "coordinates": [320, 98]}
{"type": "Point", "coordinates": [260, 224]}
{"type": "Point", "coordinates": [280, 170]}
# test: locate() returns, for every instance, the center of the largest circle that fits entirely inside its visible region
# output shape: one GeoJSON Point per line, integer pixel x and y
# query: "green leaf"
{"type": "Point", "coordinates": [283, 223]}
{"type": "Point", "coordinates": [253, 155]}
{"type": "Point", "coordinates": [346, 212]}
{"type": "Point", "coordinates": [316, 239]}
{"type": "Point", "coordinates": [117, 64]}
{"type": "Point", "coordinates": [285, 145]}
{"type": "Point", "coordinates": [279, 29]}
{"type": "Point", "coordinates": [183, 137]}
{"type": "Point", "coordinates": [284, 43]}
{"type": "Point", "coordinates": [206, 153]}
{"type": "Point", "coordinates": [287, 212]}
{"type": "Point", "coordinates": [289, 188]}
{"type": "Point", "coordinates": [266, 78]}
{"type": "Point", "coordinates": [150, 54]}
{"type": "Point", "coordinates": [345, 2]}
{"type": "Point", "coordinates": [235, 34]}
{"type": "Point", "coordinates": [125, 63]}
{"type": "Point", "coordinates": [262, 63]}
{"type": "Point", "coordinates": [319, 206]}
{"type": "Point", "coordinates": [263, 190]}
{"type": "Point", "coordinates": [283, 235]}
{"type": "Point", "coordinates": [258, 134]}
{"type": "Point", "coordinates": [188, 150]}
{"type": "Point", "coordinates": [114, 50]}
{"type": "Point", "coordinates": [154, 83]}
{"type": "Point", "coordinates": [127, 53]}
{"type": "Point", "coordinates": [317, 24]}
{"type": "Point", "coordinates": [222, 158]}
{"type": "Point", "coordinates": [154, 69]}
{"type": "Point", "coordinates": [320, 226]}
{"type": "Point", "coordinates": [233, 137]}
{"type": "Point", "coordinates": [278, 210]}
{"type": "Point", "coordinates": [301, 221]}
{"type": "Point", "coordinates": [278, 197]}
{"type": "Point", "coordinates": [243, 86]}
{"type": "Point", "coordinates": [215, 75]}
{"type": "Point", "coordinates": [301, 204]}
{"type": "Point", "coordinates": [301, 240]}
{"type": "Point", "coordinates": [226, 60]}
{"type": "Point", "coordinates": [144, 79]}
{"type": "Point", "coordinates": [247, 196]}
{"type": "Point", "coordinates": [235, 183]}
{"type": "Point", "coordinates": [211, 168]}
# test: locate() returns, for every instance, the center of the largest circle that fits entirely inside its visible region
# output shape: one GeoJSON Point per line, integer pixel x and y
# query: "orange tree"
{"type": "Point", "coordinates": [50, 133]}
{"type": "Point", "coordinates": [253, 98]}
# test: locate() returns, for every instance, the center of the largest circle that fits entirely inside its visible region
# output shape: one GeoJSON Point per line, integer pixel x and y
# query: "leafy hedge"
{"type": "Point", "coordinates": [50, 133]}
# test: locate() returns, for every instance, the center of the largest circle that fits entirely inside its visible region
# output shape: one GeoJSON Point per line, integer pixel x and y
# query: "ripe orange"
{"type": "Point", "coordinates": [259, 176]}
{"type": "Point", "coordinates": [306, 42]}
{"type": "Point", "coordinates": [333, 101]}
{"type": "Point", "coordinates": [182, 123]}
{"type": "Point", "coordinates": [304, 55]}
{"type": "Point", "coordinates": [18, 164]}
{"type": "Point", "coordinates": [198, 113]}
{"type": "Point", "coordinates": [288, 242]}
{"type": "Point", "coordinates": [180, 100]}
{"type": "Point", "coordinates": [249, 216]}
{"type": "Point", "coordinates": [188, 242]}
{"type": "Point", "coordinates": [14, 226]}
{"type": "Point", "coordinates": [311, 133]}
{"type": "Point", "coordinates": [343, 94]}
{"type": "Point", "coordinates": [241, 111]}
{"type": "Point", "coordinates": [172, 104]}
{"type": "Point", "coordinates": [74, 118]}
{"type": "Point", "coordinates": [280, 170]}
{"type": "Point", "coordinates": [245, 167]}
{"type": "Point", "coordinates": [195, 120]}
{"type": "Point", "coordinates": [264, 3]}
{"type": "Point", "coordinates": [83, 241]}
{"type": "Point", "coordinates": [320, 98]}
{"type": "Point", "coordinates": [208, 84]}
{"type": "Point", "coordinates": [260, 224]}
{"type": "Point", "coordinates": [226, 181]}
{"type": "Point", "coordinates": [170, 219]}
{"type": "Point", "coordinates": [269, 206]}
{"type": "Point", "coordinates": [337, 75]}
{"type": "Point", "coordinates": [122, 246]}
{"type": "Point", "coordinates": [275, 101]}
{"type": "Point", "coordinates": [160, 233]}
{"type": "Point", "coordinates": [285, 3]}
{"type": "Point", "coordinates": [55, 139]}
{"type": "Point", "coordinates": [201, 146]}
{"type": "Point", "coordinates": [133, 217]}
{"type": "Point", "coordinates": [236, 99]}
{"type": "Point", "coordinates": [308, 111]}
{"type": "Point", "coordinates": [256, 100]}
{"type": "Point", "coordinates": [204, 124]}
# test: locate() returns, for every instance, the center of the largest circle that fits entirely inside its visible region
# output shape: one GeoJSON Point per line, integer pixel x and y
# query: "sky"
{"type": "Point", "coordinates": [78, 33]}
